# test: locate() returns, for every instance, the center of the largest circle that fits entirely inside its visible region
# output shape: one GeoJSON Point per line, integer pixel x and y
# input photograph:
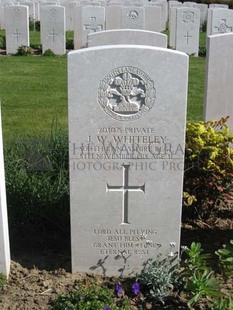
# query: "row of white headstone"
{"type": "Point", "coordinates": [161, 5]}
{"type": "Point", "coordinates": [34, 10]}
{"type": "Point", "coordinates": [159, 9]}
{"type": "Point", "coordinates": [184, 25]}
{"type": "Point", "coordinates": [127, 136]}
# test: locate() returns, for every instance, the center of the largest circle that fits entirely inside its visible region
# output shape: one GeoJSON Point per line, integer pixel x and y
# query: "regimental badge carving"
{"type": "Point", "coordinates": [52, 13]}
{"type": "Point", "coordinates": [133, 14]}
{"type": "Point", "coordinates": [188, 17]}
{"type": "Point", "coordinates": [16, 13]}
{"type": "Point", "coordinates": [126, 93]}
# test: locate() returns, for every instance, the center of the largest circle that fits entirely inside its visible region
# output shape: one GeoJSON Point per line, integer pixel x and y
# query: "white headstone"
{"type": "Point", "coordinates": [172, 27]}
{"type": "Point", "coordinates": [52, 29]}
{"type": "Point", "coordinates": [114, 2]}
{"type": "Point", "coordinates": [92, 19]}
{"type": "Point", "coordinates": [219, 77]}
{"type": "Point", "coordinates": [133, 3]}
{"type": "Point", "coordinates": [203, 13]}
{"type": "Point", "coordinates": [69, 14]}
{"type": "Point", "coordinates": [189, 4]}
{"type": "Point", "coordinates": [4, 234]}
{"type": "Point", "coordinates": [218, 6]}
{"type": "Point", "coordinates": [113, 14]}
{"type": "Point", "coordinates": [209, 22]}
{"type": "Point", "coordinates": [37, 11]}
{"type": "Point", "coordinates": [31, 8]}
{"type": "Point", "coordinates": [153, 17]}
{"type": "Point", "coordinates": [127, 36]}
{"type": "Point", "coordinates": [102, 2]}
{"type": "Point", "coordinates": [164, 13]}
{"type": "Point", "coordinates": [170, 4]}
{"type": "Point", "coordinates": [172, 23]}
{"type": "Point", "coordinates": [78, 27]}
{"type": "Point", "coordinates": [2, 18]}
{"type": "Point", "coordinates": [127, 134]}
{"type": "Point", "coordinates": [187, 30]}
{"type": "Point", "coordinates": [133, 17]}
{"type": "Point", "coordinates": [17, 27]}
{"type": "Point", "coordinates": [49, 2]}
{"type": "Point", "coordinates": [222, 21]}
{"type": "Point", "coordinates": [173, 4]}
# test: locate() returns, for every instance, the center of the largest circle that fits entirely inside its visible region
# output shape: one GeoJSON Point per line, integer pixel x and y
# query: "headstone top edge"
{"type": "Point", "coordinates": [190, 8]}
{"type": "Point", "coordinates": [127, 46]}
{"type": "Point", "coordinates": [52, 5]}
{"type": "Point", "coordinates": [16, 6]}
{"type": "Point", "coordinates": [220, 35]}
{"type": "Point", "coordinates": [127, 30]}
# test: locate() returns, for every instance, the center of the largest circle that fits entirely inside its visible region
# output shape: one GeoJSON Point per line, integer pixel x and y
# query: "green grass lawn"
{"type": "Point", "coordinates": [33, 92]}
{"type": "Point", "coordinates": [196, 88]}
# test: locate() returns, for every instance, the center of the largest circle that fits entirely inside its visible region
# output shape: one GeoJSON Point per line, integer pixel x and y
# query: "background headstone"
{"type": "Point", "coordinates": [133, 17]}
{"type": "Point", "coordinates": [189, 4]}
{"type": "Point", "coordinates": [69, 14]}
{"type": "Point", "coordinates": [187, 30]}
{"type": "Point", "coordinates": [4, 234]}
{"type": "Point", "coordinates": [3, 5]}
{"type": "Point", "coordinates": [78, 27]}
{"type": "Point", "coordinates": [126, 133]}
{"type": "Point", "coordinates": [218, 5]}
{"type": "Point", "coordinates": [219, 77]}
{"type": "Point", "coordinates": [203, 13]}
{"type": "Point", "coordinates": [92, 20]}
{"type": "Point", "coordinates": [17, 27]}
{"type": "Point", "coordinates": [164, 13]}
{"type": "Point", "coordinates": [172, 25]}
{"type": "Point", "coordinates": [52, 29]}
{"type": "Point", "coordinates": [113, 14]}
{"type": "Point", "coordinates": [222, 21]}
{"type": "Point", "coordinates": [153, 18]}
{"type": "Point", "coordinates": [209, 22]}
{"type": "Point", "coordinates": [127, 36]}
{"type": "Point", "coordinates": [31, 9]}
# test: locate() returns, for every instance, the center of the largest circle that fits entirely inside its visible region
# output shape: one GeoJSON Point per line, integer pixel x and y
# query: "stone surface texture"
{"type": "Point", "coordinates": [219, 77]}
{"type": "Point", "coordinates": [133, 17]}
{"type": "Point", "coordinates": [52, 31]}
{"type": "Point", "coordinates": [127, 134]}
{"type": "Point", "coordinates": [17, 27]}
{"type": "Point", "coordinates": [4, 233]}
{"type": "Point", "coordinates": [127, 36]}
{"type": "Point", "coordinates": [187, 30]}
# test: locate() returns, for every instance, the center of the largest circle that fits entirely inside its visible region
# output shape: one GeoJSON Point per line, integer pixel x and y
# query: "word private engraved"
{"type": "Point", "coordinates": [126, 93]}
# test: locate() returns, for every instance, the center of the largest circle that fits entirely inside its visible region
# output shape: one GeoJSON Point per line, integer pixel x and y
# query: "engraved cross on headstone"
{"type": "Point", "coordinates": [17, 34]}
{"type": "Point", "coordinates": [93, 26]}
{"type": "Point", "coordinates": [223, 28]}
{"type": "Point", "coordinates": [53, 34]}
{"type": "Point", "coordinates": [187, 36]}
{"type": "Point", "coordinates": [125, 188]}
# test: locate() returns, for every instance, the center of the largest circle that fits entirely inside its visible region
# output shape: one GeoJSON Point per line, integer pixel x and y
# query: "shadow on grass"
{"type": "Point", "coordinates": [37, 247]}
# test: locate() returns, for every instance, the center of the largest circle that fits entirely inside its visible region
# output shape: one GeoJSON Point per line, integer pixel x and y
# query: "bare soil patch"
{"type": "Point", "coordinates": [40, 268]}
